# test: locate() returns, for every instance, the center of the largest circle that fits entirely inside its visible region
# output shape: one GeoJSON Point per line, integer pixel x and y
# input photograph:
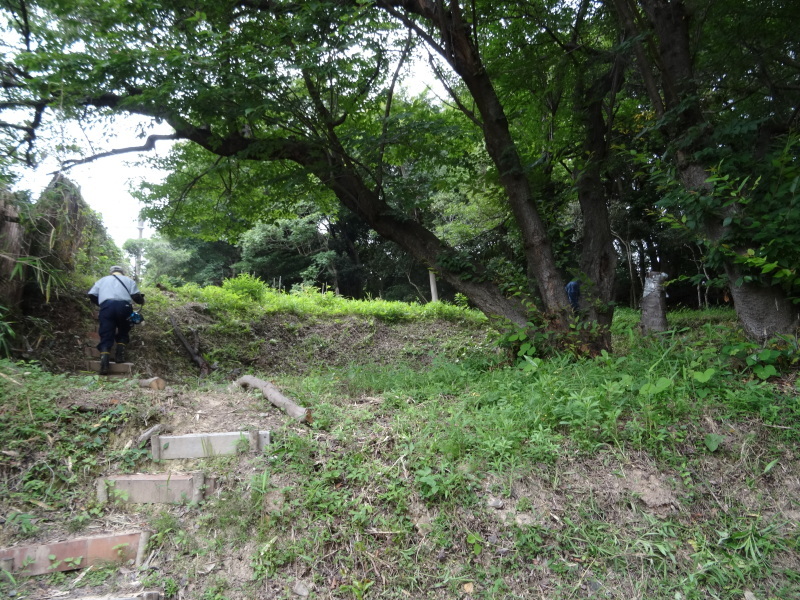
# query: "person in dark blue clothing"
{"type": "Point", "coordinates": [114, 294]}
{"type": "Point", "coordinates": [573, 289]}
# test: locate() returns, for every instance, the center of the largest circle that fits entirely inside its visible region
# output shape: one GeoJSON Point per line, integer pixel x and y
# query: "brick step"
{"type": "Point", "coordinates": [159, 488]}
{"type": "Point", "coordinates": [204, 445]}
{"type": "Point", "coordinates": [125, 368]}
{"type": "Point", "coordinates": [77, 553]}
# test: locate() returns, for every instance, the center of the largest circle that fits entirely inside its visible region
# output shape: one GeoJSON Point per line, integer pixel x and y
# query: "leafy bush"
{"type": "Point", "coordinates": [778, 354]}
{"type": "Point", "coordinates": [217, 299]}
{"type": "Point", "coordinates": [246, 285]}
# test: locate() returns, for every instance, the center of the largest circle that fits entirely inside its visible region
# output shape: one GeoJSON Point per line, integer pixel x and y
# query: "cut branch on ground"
{"type": "Point", "coordinates": [274, 395]}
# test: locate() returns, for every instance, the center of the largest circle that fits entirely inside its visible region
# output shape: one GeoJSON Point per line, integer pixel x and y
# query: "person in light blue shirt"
{"type": "Point", "coordinates": [115, 295]}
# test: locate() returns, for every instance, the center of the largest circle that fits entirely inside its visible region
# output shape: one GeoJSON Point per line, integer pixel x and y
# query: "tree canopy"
{"type": "Point", "coordinates": [560, 118]}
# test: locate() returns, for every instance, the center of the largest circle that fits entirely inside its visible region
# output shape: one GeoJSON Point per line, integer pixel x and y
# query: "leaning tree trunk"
{"type": "Point", "coordinates": [458, 47]}
{"type": "Point", "coordinates": [417, 240]}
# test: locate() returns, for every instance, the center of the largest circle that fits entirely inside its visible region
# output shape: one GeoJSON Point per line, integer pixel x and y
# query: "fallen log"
{"type": "Point", "coordinates": [201, 362]}
{"type": "Point", "coordinates": [154, 383]}
{"type": "Point", "coordinates": [274, 395]}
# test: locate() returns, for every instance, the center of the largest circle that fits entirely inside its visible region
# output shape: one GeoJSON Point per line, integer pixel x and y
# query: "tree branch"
{"type": "Point", "coordinates": [387, 111]}
{"type": "Point", "coordinates": [411, 24]}
{"type": "Point", "coordinates": [452, 93]}
{"type": "Point", "coordinates": [148, 145]}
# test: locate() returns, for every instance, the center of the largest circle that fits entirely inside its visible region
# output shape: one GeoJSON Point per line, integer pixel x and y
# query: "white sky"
{"type": "Point", "coordinates": [105, 183]}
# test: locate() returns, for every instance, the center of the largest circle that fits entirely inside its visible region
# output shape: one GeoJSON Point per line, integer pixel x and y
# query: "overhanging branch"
{"type": "Point", "coordinates": [148, 145]}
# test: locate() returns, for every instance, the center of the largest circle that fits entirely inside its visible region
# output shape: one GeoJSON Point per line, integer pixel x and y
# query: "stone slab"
{"type": "Point", "coordinates": [205, 445]}
{"type": "Point", "coordinates": [91, 352]}
{"type": "Point", "coordinates": [73, 554]}
{"type": "Point", "coordinates": [159, 488]}
{"type": "Point", "coordinates": [113, 368]}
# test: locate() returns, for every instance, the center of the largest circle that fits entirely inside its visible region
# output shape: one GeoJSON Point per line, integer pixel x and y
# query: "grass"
{"type": "Point", "coordinates": [48, 444]}
{"type": "Point", "coordinates": [246, 295]}
{"type": "Point", "coordinates": [663, 470]}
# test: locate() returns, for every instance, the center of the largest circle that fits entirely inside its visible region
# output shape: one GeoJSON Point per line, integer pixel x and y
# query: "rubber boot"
{"type": "Point", "coordinates": [105, 359]}
{"type": "Point", "coordinates": [120, 355]}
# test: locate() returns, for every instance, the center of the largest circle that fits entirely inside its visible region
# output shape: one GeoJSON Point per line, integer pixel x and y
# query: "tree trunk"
{"type": "Point", "coordinates": [598, 256]}
{"type": "Point", "coordinates": [274, 395]}
{"type": "Point", "coordinates": [13, 245]}
{"type": "Point", "coordinates": [764, 311]}
{"type": "Point", "coordinates": [154, 383]}
{"type": "Point", "coordinates": [458, 48]}
{"type": "Point", "coordinates": [418, 241]}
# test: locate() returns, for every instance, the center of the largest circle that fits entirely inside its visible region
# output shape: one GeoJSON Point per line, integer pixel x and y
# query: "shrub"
{"type": "Point", "coordinates": [246, 285]}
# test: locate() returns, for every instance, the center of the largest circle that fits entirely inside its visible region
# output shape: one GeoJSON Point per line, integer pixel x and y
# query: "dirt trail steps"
{"type": "Point", "coordinates": [92, 355]}
{"type": "Point", "coordinates": [169, 487]}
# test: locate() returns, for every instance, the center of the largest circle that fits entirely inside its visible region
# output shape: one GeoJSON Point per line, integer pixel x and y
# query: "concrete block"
{"type": "Point", "coordinates": [73, 554]}
{"type": "Point", "coordinates": [204, 445]}
{"type": "Point", "coordinates": [159, 488]}
{"type": "Point", "coordinates": [114, 368]}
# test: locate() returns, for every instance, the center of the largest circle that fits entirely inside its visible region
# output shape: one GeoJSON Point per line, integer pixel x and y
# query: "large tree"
{"type": "Point", "coordinates": [723, 85]}
{"type": "Point", "coordinates": [552, 89]}
{"type": "Point", "coordinates": [308, 83]}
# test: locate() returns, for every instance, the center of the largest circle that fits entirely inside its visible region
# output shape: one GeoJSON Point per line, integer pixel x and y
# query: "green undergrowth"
{"type": "Point", "coordinates": [441, 442]}
{"type": "Point", "coordinates": [663, 470]}
{"type": "Point", "coordinates": [245, 324]}
{"type": "Point", "coordinates": [54, 434]}
{"type": "Point", "coordinates": [246, 295]}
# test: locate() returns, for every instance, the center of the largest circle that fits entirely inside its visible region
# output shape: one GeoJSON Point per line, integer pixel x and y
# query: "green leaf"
{"type": "Point", "coordinates": [712, 441]}
{"type": "Point", "coordinates": [770, 466]}
{"type": "Point", "coordinates": [704, 376]}
{"type": "Point", "coordinates": [765, 371]}
{"type": "Point", "coordinates": [769, 267]}
{"type": "Point", "coordinates": [661, 385]}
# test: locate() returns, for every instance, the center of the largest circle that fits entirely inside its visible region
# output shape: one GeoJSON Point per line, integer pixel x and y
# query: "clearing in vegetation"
{"type": "Point", "coordinates": [437, 465]}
